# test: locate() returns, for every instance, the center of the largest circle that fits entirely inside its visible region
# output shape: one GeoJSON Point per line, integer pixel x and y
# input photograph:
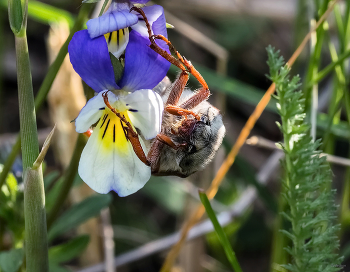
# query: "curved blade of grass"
{"type": "Point", "coordinates": [220, 232]}
{"type": "Point", "coordinates": [79, 213]}
{"type": "Point", "coordinates": [69, 250]}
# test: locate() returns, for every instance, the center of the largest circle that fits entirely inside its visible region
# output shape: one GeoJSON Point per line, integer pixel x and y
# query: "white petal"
{"type": "Point", "coordinates": [108, 161]}
{"type": "Point", "coordinates": [92, 111]}
{"type": "Point", "coordinates": [145, 112]}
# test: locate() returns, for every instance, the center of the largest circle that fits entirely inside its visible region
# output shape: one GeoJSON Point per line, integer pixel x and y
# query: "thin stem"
{"type": "Point", "coordinates": [29, 134]}
{"type": "Point", "coordinates": [335, 104]}
{"type": "Point", "coordinates": [34, 195]}
{"type": "Point", "coordinates": [314, 101]}
{"type": "Point", "coordinates": [47, 83]}
{"type": "Point", "coordinates": [68, 180]}
{"type": "Point", "coordinates": [10, 160]}
{"type": "Point", "coordinates": [103, 7]}
{"type": "Point", "coordinates": [330, 67]}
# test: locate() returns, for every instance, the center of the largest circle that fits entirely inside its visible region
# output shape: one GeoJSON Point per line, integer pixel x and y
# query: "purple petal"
{"type": "Point", "coordinates": [111, 21]}
{"type": "Point", "coordinates": [139, 1]}
{"type": "Point", "coordinates": [144, 68]}
{"type": "Point", "coordinates": [90, 59]}
{"type": "Point", "coordinates": [156, 18]}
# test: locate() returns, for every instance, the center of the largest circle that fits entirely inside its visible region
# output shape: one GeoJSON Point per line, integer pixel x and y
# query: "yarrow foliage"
{"type": "Point", "coordinates": [121, 67]}
{"type": "Point", "coordinates": [307, 182]}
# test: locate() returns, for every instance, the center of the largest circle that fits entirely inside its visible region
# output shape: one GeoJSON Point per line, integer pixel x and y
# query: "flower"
{"type": "Point", "coordinates": [115, 23]}
{"type": "Point", "coordinates": [108, 161]}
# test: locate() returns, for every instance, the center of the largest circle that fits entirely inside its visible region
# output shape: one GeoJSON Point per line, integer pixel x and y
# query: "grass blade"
{"type": "Point", "coordinates": [220, 232]}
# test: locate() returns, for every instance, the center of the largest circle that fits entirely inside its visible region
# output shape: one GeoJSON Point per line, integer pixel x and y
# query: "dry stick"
{"type": "Point", "coordinates": [265, 143]}
{"type": "Point", "coordinates": [212, 190]}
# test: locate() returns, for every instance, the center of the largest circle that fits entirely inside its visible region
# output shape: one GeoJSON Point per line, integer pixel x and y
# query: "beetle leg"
{"type": "Point", "coordinates": [167, 140]}
{"type": "Point", "coordinates": [136, 145]}
{"type": "Point", "coordinates": [196, 99]}
{"type": "Point", "coordinates": [179, 111]}
{"type": "Point", "coordinates": [177, 88]}
{"type": "Point", "coordinates": [156, 149]}
{"type": "Point", "coordinates": [190, 68]}
{"type": "Point", "coordinates": [130, 133]}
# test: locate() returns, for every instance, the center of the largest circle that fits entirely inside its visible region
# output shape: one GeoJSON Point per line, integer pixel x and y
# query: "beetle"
{"type": "Point", "coordinates": [192, 129]}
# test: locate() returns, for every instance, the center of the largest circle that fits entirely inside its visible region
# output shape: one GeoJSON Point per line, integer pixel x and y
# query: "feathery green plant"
{"type": "Point", "coordinates": [307, 181]}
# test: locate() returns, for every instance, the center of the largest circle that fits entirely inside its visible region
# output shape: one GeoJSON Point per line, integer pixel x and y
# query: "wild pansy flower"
{"type": "Point", "coordinates": [108, 161]}
{"type": "Point", "coordinates": [115, 23]}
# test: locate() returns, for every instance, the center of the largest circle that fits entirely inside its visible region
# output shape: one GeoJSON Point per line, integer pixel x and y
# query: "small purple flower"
{"type": "Point", "coordinates": [108, 161]}
{"type": "Point", "coordinates": [118, 18]}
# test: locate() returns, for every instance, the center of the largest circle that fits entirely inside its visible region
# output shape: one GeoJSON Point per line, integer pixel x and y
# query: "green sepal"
{"type": "Point", "coordinates": [118, 67]}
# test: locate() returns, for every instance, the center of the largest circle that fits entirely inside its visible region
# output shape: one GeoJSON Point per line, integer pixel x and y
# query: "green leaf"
{"type": "Point", "coordinates": [220, 232]}
{"type": "Point", "coordinates": [341, 129]}
{"type": "Point", "coordinates": [11, 261]}
{"type": "Point", "coordinates": [79, 213]}
{"type": "Point", "coordinates": [68, 251]}
{"type": "Point", "coordinates": [117, 67]}
{"type": "Point", "coordinates": [16, 11]}
{"type": "Point", "coordinates": [90, 1]}
{"type": "Point", "coordinates": [51, 195]}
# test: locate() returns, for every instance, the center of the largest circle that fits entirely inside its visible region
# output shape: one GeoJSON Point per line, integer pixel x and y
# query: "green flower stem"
{"type": "Point", "coordinates": [34, 195]}
{"type": "Point", "coordinates": [68, 179]}
{"type": "Point", "coordinates": [47, 83]}
{"type": "Point", "coordinates": [29, 134]}
{"type": "Point", "coordinates": [35, 221]}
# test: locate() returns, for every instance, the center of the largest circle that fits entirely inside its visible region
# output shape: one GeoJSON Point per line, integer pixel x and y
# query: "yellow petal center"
{"type": "Point", "coordinates": [112, 131]}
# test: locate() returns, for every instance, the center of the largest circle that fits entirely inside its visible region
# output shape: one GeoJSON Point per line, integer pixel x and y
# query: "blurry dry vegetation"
{"type": "Point", "coordinates": [227, 44]}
